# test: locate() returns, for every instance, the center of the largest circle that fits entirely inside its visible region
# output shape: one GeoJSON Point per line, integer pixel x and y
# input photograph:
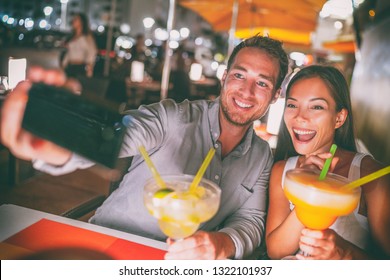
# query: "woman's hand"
{"type": "Point", "coordinates": [201, 246]}
{"type": "Point", "coordinates": [323, 245]}
{"type": "Point", "coordinates": [317, 161]}
{"type": "Point", "coordinates": [89, 70]}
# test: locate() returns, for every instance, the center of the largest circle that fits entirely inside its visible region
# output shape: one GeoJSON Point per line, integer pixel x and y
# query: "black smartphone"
{"type": "Point", "coordinates": [78, 123]}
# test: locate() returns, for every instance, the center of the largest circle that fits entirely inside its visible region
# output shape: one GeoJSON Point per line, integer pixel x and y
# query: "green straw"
{"type": "Point", "coordinates": [202, 170]}
{"type": "Point", "coordinates": [367, 178]}
{"type": "Point", "coordinates": [152, 168]}
{"type": "Point", "coordinates": [327, 163]}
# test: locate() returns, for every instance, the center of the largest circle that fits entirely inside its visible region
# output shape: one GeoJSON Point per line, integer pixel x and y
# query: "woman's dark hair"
{"type": "Point", "coordinates": [271, 47]}
{"type": "Point", "coordinates": [337, 85]}
{"type": "Point", "coordinates": [84, 22]}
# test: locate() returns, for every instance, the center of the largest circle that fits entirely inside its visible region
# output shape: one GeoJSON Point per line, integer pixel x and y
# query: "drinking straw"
{"type": "Point", "coordinates": [368, 178]}
{"type": "Point", "coordinates": [152, 168]}
{"type": "Point", "coordinates": [328, 161]}
{"type": "Point", "coordinates": [202, 170]}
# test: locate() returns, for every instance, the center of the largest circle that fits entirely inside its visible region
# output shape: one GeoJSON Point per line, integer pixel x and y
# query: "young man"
{"type": "Point", "coordinates": [178, 137]}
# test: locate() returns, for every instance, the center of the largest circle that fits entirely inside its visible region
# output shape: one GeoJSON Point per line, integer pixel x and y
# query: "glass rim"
{"type": "Point", "coordinates": [186, 176]}
{"type": "Point", "coordinates": [318, 172]}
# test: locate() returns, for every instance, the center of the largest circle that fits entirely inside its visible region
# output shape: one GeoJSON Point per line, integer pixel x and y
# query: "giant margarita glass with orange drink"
{"type": "Point", "coordinates": [319, 203]}
{"type": "Point", "coordinates": [178, 209]}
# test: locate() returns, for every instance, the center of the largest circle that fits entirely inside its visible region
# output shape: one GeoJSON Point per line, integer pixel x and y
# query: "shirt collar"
{"type": "Point", "coordinates": [213, 115]}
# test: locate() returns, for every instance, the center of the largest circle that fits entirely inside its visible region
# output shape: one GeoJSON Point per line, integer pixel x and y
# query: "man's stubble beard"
{"type": "Point", "coordinates": [227, 115]}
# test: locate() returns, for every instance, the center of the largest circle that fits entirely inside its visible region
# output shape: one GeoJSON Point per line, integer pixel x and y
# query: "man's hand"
{"type": "Point", "coordinates": [21, 143]}
{"type": "Point", "coordinates": [203, 246]}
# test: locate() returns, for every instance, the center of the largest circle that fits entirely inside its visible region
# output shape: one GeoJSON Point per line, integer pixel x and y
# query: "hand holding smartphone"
{"type": "Point", "coordinates": [85, 126]}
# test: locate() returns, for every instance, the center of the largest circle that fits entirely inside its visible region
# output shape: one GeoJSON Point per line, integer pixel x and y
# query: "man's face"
{"type": "Point", "coordinates": [248, 88]}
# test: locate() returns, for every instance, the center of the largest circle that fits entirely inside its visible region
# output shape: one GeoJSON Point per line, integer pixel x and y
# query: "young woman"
{"type": "Point", "coordinates": [318, 114]}
{"type": "Point", "coordinates": [79, 59]}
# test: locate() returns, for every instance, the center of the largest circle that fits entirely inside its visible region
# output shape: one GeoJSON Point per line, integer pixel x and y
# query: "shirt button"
{"type": "Point", "coordinates": [216, 146]}
{"type": "Point", "coordinates": [216, 177]}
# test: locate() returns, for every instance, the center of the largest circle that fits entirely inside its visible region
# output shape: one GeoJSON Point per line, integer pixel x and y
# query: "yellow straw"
{"type": "Point", "coordinates": [202, 170]}
{"type": "Point", "coordinates": [152, 168]}
{"type": "Point", "coordinates": [368, 178]}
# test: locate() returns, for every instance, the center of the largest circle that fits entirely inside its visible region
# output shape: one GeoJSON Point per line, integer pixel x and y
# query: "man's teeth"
{"type": "Point", "coordinates": [304, 132]}
{"type": "Point", "coordinates": [243, 105]}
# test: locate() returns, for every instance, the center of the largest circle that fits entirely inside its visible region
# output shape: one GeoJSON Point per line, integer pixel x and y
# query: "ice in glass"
{"type": "Point", "coordinates": [180, 212]}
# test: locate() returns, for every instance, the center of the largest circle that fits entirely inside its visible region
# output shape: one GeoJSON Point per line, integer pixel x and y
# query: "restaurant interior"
{"type": "Point", "coordinates": [190, 37]}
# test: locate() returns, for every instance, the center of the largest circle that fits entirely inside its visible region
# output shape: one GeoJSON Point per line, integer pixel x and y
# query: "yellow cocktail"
{"type": "Point", "coordinates": [319, 203]}
{"type": "Point", "coordinates": [180, 212]}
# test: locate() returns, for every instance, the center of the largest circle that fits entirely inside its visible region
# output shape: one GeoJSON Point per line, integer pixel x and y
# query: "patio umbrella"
{"type": "Point", "coordinates": [286, 20]}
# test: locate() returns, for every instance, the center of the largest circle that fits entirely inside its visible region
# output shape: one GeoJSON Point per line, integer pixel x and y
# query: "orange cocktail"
{"type": "Point", "coordinates": [319, 203]}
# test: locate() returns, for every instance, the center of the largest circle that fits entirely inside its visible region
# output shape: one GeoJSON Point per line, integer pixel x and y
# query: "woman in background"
{"type": "Point", "coordinates": [318, 114]}
{"type": "Point", "coordinates": [79, 60]}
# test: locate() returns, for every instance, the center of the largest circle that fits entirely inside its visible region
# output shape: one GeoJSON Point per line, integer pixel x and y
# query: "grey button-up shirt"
{"type": "Point", "coordinates": [177, 138]}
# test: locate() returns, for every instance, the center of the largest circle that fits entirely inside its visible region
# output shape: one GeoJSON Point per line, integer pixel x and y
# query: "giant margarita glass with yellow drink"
{"type": "Point", "coordinates": [179, 211]}
{"type": "Point", "coordinates": [319, 203]}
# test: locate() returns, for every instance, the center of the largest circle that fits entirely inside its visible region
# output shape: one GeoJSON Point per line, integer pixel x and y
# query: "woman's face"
{"type": "Point", "coordinates": [311, 116]}
{"type": "Point", "coordinates": [76, 23]}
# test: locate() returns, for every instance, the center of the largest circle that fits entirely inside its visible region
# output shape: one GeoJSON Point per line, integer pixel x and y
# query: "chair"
{"type": "Point", "coordinates": [71, 195]}
{"type": "Point", "coordinates": [84, 208]}
{"type": "Point", "coordinates": [93, 203]}
{"type": "Point", "coordinates": [95, 87]}
{"type": "Point", "coordinates": [116, 91]}
{"type": "Point", "coordinates": [123, 166]}
{"type": "Point", "coordinates": [12, 167]}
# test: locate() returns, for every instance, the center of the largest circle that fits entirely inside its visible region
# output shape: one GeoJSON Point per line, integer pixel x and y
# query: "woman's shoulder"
{"type": "Point", "coordinates": [362, 163]}
{"type": "Point", "coordinates": [369, 164]}
{"type": "Point", "coordinates": [287, 164]}
{"type": "Point", "coordinates": [278, 167]}
{"type": "Point", "coordinates": [277, 174]}
{"type": "Point", "coordinates": [363, 160]}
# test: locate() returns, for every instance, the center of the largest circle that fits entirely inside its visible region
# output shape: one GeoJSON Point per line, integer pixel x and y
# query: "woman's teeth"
{"type": "Point", "coordinates": [304, 135]}
{"type": "Point", "coordinates": [303, 132]}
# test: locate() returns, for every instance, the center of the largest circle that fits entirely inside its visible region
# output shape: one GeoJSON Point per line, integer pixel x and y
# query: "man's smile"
{"type": "Point", "coordinates": [242, 104]}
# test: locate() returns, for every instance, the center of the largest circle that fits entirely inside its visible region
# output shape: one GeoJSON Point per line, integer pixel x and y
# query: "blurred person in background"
{"type": "Point", "coordinates": [80, 56]}
{"type": "Point", "coordinates": [180, 76]}
{"type": "Point", "coordinates": [139, 48]}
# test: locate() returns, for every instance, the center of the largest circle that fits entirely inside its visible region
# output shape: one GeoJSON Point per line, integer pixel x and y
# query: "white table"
{"type": "Point", "coordinates": [15, 218]}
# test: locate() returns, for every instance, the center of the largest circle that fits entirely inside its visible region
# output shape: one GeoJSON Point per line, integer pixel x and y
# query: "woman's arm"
{"type": "Point", "coordinates": [283, 228]}
{"type": "Point", "coordinates": [91, 55]}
